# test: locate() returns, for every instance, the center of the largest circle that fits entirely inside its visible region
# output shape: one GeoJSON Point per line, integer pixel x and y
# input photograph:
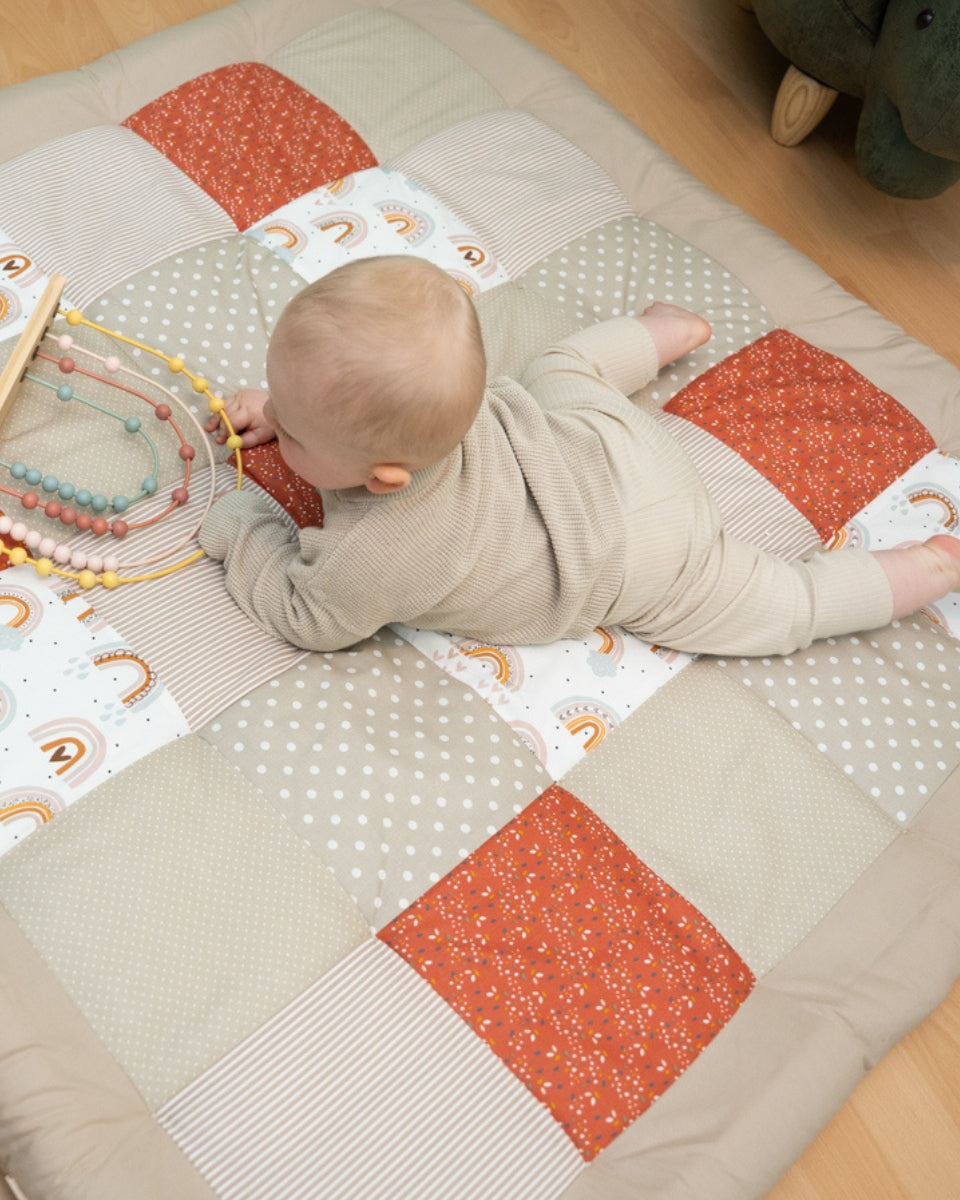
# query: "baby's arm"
{"type": "Point", "coordinates": [280, 578]}
{"type": "Point", "coordinates": [245, 410]}
{"type": "Point", "coordinates": [622, 354]}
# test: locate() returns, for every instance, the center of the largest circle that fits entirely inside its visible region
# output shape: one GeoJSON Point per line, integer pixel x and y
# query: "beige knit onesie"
{"type": "Point", "coordinates": [564, 508]}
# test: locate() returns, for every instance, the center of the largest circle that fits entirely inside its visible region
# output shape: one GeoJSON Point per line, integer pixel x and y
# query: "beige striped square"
{"type": "Point", "coordinates": [753, 509]}
{"type": "Point", "coordinates": [98, 205]}
{"type": "Point", "coordinates": [369, 1085]}
{"type": "Point", "coordinates": [205, 649]}
{"type": "Point", "coordinates": [522, 188]}
{"type": "Point", "coordinates": [394, 83]}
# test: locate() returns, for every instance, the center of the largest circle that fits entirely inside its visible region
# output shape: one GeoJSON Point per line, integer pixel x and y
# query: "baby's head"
{"type": "Point", "coordinates": [374, 371]}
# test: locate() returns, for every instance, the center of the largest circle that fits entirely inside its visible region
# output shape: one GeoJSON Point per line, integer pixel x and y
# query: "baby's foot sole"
{"type": "Point", "coordinates": [948, 547]}
{"type": "Point", "coordinates": [675, 331]}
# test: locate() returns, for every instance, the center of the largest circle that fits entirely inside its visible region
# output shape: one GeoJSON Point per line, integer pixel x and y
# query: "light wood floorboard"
{"type": "Point", "coordinates": [700, 79]}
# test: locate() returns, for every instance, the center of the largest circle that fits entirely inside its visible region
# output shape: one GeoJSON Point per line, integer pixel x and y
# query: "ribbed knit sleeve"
{"type": "Point", "coordinates": [277, 576]}
{"type": "Point", "coordinates": [619, 354]}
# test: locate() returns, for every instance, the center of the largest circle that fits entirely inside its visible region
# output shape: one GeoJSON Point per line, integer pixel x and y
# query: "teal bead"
{"type": "Point", "coordinates": [33, 476]}
{"type": "Point", "coordinates": [132, 424]}
{"type": "Point", "coordinates": [65, 391]}
{"type": "Point", "coordinates": [67, 491]}
{"type": "Point", "coordinates": [84, 497]}
{"type": "Point", "coordinates": [50, 483]}
{"type": "Point", "coordinates": [98, 503]}
{"type": "Point", "coordinates": [149, 485]}
{"type": "Point", "coordinates": [18, 470]}
{"type": "Point", "coordinates": [119, 503]}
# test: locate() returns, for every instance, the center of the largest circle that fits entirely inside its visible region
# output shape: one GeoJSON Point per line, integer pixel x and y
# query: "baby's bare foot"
{"type": "Point", "coordinates": [675, 331]}
{"type": "Point", "coordinates": [948, 550]}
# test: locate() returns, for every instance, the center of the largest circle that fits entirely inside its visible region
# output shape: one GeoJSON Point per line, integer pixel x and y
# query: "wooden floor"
{"type": "Point", "coordinates": [699, 78]}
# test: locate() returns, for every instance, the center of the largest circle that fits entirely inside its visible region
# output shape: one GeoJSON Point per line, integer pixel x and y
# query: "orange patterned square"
{"type": "Point", "coordinates": [593, 980]}
{"type": "Point", "coordinates": [264, 466]}
{"type": "Point", "coordinates": [818, 430]}
{"type": "Point", "coordinates": [251, 138]}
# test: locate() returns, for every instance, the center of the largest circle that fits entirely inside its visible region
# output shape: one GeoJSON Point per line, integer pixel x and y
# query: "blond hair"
{"type": "Point", "coordinates": [400, 340]}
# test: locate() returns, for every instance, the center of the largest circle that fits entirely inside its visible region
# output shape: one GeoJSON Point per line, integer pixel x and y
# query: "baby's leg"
{"type": "Point", "coordinates": [923, 573]}
{"type": "Point", "coordinates": [675, 331]}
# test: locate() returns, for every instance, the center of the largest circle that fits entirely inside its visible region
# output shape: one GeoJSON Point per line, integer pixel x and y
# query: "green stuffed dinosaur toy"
{"type": "Point", "coordinates": [901, 58]}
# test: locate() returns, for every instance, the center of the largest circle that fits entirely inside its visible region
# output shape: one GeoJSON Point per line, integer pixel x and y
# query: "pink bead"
{"type": "Point", "coordinates": [119, 529]}
{"type": "Point", "coordinates": [61, 554]}
{"type": "Point", "coordinates": [68, 515]}
{"type": "Point", "coordinates": [111, 562]}
{"type": "Point", "coordinates": [162, 412]}
{"type": "Point", "coordinates": [180, 495]}
{"type": "Point", "coordinates": [65, 341]}
{"type": "Point", "coordinates": [112, 363]}
{"type": "Point", "coordinates": [32, 540]}
{"type": "Point", "coordinates": [66, 365]}
{"type": "Point", "coordinates": [78, 560]}
{"type": "Point", "coordinates": [53, 509]}
{"type": "Point", "coordinates": [95, 563]}
{"type": "Point", "coordinates": [187, 452]}
{"type": "Point", "coordinates": [29, 499]}
{"type": "Point", "coordinates": [84, 521]}
{"type": "Point", "coordinates": [46, 547]}
{"type": "Point", "coordinates": [100, 526]}
{"type": "Point", "coordinates": [6, 524]}
{"type": "Point", "coordinates": [18, 531]}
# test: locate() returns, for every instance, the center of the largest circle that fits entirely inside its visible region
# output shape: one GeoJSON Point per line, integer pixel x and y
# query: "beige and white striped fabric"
{"type": "Point", "coordinates": [753, 509]}
{"type": "Point", "coordinates": [522, 188]}
{"type": "Point", "coordinates": [98, 205]}
{"type": "Point", "coordinates": [369, 1085]}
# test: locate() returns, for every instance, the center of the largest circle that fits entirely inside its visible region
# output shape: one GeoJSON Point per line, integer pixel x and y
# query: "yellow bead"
{"type": "Point", "coordinates": [200, 384]}
{"type": "Point", "coordinates": [44, 567]}
{"type": "Point", "coordinates": [175, 365]}
{"type": "Point", "coordinates": [18, 556]}
{"type": "Point", "coordinates": [234, 441]}
{"type": "Point", "coordinates": [215, 404]}
{"type": "Point", "coordinates": [87, 579]}
{"type": "Point", "coordinates": [109, 579]}
{"type": "Point", "coordinates": [74, 316]}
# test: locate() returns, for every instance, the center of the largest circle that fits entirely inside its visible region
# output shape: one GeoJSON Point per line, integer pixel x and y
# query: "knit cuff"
{"type": "Point", "coordinates": [620, 350]}
{"type": "Point", "coordinates": [219, 527]}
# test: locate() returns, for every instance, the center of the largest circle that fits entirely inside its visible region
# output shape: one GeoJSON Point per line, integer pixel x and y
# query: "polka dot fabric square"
{"type": "Point", "coordinates": [251, 138]}
{"type": "Point", "coordinates": [591, 978]}
{"type": "Point", "coordinates": [819, 431]}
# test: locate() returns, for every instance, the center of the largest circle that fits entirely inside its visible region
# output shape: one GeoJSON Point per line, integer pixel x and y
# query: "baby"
{"type": "Point", "coordinates": [518, 512]}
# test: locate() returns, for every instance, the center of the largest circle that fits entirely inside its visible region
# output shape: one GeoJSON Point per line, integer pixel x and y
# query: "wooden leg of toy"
{"type": "Point", "coordinates": [801, 105]}
{"type": "Point", "coordinates": [26, 346]}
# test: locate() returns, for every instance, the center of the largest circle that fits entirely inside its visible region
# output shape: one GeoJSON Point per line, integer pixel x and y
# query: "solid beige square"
{"type": "Point", "coordinates": [734, 809]}
{"type": "Point", "coordinates": [178, 910]}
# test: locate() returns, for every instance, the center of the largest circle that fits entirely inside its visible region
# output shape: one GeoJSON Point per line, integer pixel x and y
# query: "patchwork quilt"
{"type": "Point", "coordinates": [430, 918]}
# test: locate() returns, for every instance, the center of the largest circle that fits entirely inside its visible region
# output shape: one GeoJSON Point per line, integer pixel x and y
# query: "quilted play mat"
{"type": "Point", "coordinates": [427, 918]}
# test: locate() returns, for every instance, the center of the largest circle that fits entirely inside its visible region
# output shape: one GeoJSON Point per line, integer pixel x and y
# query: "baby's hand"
{"type": "Point", "coordinates": [245, 411]}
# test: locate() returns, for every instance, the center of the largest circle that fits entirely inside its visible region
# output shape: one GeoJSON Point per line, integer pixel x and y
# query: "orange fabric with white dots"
{"type": "Point", "coordinates": [251, 138]}
{"type": "Point", "coordinates": [818, 430]}
{"type": "Point", "coordinates": [593, 980]}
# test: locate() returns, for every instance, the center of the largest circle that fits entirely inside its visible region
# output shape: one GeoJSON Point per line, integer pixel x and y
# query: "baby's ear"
{"type": "Point", "coordinates": [386, 477]}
